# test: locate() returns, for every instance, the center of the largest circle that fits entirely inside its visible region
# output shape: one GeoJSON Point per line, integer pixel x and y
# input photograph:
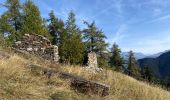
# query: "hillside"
{"type": "Point", "coordinates": [17, 82]}
{"type": "Point", "coordinates": [159, 65]}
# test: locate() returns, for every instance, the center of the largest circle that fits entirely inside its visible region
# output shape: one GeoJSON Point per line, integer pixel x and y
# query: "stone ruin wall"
{"type": "Point", "coordinates": [92, 60]}
{"type": "Point", "coordinates": [41, 46]}
{"type": "Point", "coordinates": [38, 45]}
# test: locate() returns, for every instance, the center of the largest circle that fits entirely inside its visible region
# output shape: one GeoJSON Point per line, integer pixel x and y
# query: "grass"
{"type": "Point", "coordinates": [18, 83]}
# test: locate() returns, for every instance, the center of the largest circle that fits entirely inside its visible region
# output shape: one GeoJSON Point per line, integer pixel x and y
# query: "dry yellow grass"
{"type": "Point", "coordinates": [18, 83]}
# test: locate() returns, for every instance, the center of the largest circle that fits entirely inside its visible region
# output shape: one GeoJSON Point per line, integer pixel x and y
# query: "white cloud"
{"type": "Point", "coordinates": [150, 45]}
{"type": "Point", "coordinates": [161, 18]}
{"type": "Point", "coordinates": [116, 4]}
{"type": "Point", "coordinates": [119, 35]}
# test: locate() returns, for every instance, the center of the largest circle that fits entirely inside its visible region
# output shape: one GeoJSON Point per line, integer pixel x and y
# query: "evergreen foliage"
{"type": "Point", "coordinates": [72, 46]}
{"type": "Point", "coordinates": [55, 28]}
{"type": "Point", "coordinates": [103, 60]}
{"type": "Point", "coordinates": [32, 21]}
{"type": "Point", "coordinates": [14, 14]}
{"type": "Point", "coordinates": [147, 74]}
{"type": "Point", "coordinates": [116, 60]}
{"type": "Point", "coordinates": [11, 20]}
{"type": "Point", "coordinates": [133, 67]}
{"type": "Point", "coordinates": [94, 38]}
{"type": "Point", "coordinates": [95, 42]}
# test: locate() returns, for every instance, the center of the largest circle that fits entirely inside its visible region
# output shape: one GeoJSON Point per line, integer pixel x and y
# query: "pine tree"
{"type": "Point", "coordinates": [94, 39]}
{"type": "Point", "coordinates": [32, 21]}
{"type": "Point", "coordinates": [95, 42]}
{"type": "Point", "coordinates": [55, 28]}
{"type": "Point", "coordinates": [72, 48]}
{"type": "Point", "coordinates": [11, 20]}
{"type": "Point", "coordinates": [14, 14]}
{"type": "Point", "coordinates": [103, 60]}
{"type": "Point", "coordinates": [116, 60]}
{"type": "Point", "coordinates": [168, 82]}
{"type": "Point", "coordinates": [133, 67]}
{"type": "Point", "coordinates": [5, 28]}
{"type": "Point", "coordinates": [147, 74]}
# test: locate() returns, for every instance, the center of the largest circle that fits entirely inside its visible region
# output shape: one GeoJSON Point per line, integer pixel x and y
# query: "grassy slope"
{"type": "Point", "coordinates": [17, 82]}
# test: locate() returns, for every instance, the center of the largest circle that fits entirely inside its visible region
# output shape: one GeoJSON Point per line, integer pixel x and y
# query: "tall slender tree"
{"type": "Point", "coordinates": [32, 21]}
{"type": "Point", "coordinates": [95, 42]}
{"type": "Point", "coordinates": [5, 28]}
{"type": "Point", "coordinates": [11, 20]}
{"type": "Point", "coordinates": [133, 67]}
{"type": "Point", "coordinates": [94, 38]}
{"type": "Point", "coordinates": [14, 14]}
{"type": "Point", "coordinates": [72, 46]}
{"type": "Point", "coordinates": [55, 28]}
{"type": "Point", "coordinates": [147, 74]}
{"type": "Point", "coordinates": [116, 60]}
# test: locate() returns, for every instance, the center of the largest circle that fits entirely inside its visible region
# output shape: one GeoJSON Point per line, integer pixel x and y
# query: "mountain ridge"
{"type": "Point", "coordinates": [160, 65]}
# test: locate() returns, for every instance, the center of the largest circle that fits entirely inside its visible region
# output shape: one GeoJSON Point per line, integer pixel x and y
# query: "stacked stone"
{"type": "Point", "coordinates": [92, 63]}
{"type": "Point", "coordinates": [39, 45]}
{"type": "Point", "coordinates": [92, 60]}
{"type": "Point", "coordinates": [56, 54]}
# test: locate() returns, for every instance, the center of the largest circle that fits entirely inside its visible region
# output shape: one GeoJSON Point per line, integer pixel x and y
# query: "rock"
{"type": "Point", "coordinates": [93, 70]}
{"type": "Point", "coordinates": [39, 45]}
{"type": "Point", "coordinates": [3, 55]}
{"type": "Point", "coordinates": [56, 55]}
{"type": "Point", "coordinates": [92, 63]}
{"type": "Point", "coordinates": [78, 83]}
{"type": "Point", "coordinates": [90, 87]}
{"type": "Point", "coordinates": [29, 49]}
{"type": "Point", "coordinates": [92, 60]}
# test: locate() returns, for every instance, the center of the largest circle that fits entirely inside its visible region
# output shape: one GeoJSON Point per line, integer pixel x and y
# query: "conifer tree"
{"type": "Point", "coordinates": [72, 48]}
{"type": "Point", "coordinates": [103, 60]}
{"type": "Point", "coordinates": [133, 67]}
{"type": "Point", "coordinates": [94, 38]}
{"type": "Point", "coordinates": [14, 14]}
{"type": "Point", "coordinates": [167, 81]}
{"type": "Point", "coordinates": [5, 28]}
{"type": "Point", "coordinates": [116, 60]}
{"type": "Point", "coordinates": [11, 20]}
{"type": "Point", "coordinates": [95, 42]}
{"type": "Point", "coordinates": [147, 74]}
{"type": "Point", "coordinates": [55, 28]}
{"type": "Point", "coordinates": [32, 21]}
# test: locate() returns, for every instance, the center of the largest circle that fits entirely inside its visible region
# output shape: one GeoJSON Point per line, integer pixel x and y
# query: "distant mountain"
{"type": "Point", "coordinates": [160, 65]}
{"type": "Point", "coordinates": [138, 55]}
{"type": "Point", "coordinates": [157, 54]}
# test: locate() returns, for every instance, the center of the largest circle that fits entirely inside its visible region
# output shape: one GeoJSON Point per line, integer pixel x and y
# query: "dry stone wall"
{"type": "Point", "coordinates": [92, 60]}
{"type": "Point", "coordinates": [92, 66]}
{"type": "Point", "coordinates": [39, 45]}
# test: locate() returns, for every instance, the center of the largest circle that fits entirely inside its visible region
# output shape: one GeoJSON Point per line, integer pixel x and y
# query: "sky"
{"type": "Point", "coordinates": [138, 25]}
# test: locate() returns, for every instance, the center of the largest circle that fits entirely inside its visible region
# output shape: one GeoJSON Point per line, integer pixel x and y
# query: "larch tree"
{"type": "Point", "coordinates": [116, 61]}
{"type": "Point", "coordinates": [94, 40]}
{"type": "Point", "coordinates": [147, 74]}
{"type": "Point", "coordinates": [32, 21]}
{"type": "Point", "coordinates": [55, 28]}
{"type": "Point", "coordinates": [133, 66]}
{"type": "Point", "coordinates": [11, 20]}
{"type": "Point", "coordinates": [72, 47]}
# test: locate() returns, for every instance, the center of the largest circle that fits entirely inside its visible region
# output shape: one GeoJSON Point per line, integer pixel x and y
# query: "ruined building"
{"type": "Point", "coordinates": [38, 45]}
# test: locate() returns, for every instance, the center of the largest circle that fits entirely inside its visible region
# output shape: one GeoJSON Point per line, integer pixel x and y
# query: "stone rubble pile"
{"type": "Point", "coordinates": [39, 45]}
{"type": "Point", "coordinates": [92, 63]}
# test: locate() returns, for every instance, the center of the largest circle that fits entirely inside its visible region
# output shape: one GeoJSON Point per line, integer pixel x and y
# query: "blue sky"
{"type": "Point", "coordinates": [138, 25]}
